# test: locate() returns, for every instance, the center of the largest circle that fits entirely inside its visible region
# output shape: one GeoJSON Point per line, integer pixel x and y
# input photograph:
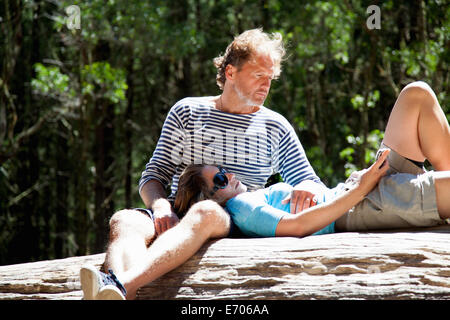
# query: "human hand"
{"type": "Point", "coordinates": [303, 196]}
{"type": "Point", "coordinates": [164, 219]}
{"type": "Point", "coordinates": [365, 180]}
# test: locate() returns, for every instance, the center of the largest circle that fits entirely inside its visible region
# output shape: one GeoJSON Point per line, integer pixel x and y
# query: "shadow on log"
{"type": "Point", "coordinates": [375, 265]}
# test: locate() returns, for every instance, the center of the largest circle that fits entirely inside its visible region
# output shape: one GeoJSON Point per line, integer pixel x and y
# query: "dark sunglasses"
{"type": "Point", "coordinates": [220, 180]}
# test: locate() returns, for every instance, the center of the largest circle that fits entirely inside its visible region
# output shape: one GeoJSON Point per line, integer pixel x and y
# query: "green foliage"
{"type": "Point", "coordinates": [100, 79]}
{"type": "Point", "coordinates": [50, 79]}
{"type": "Point", "coordinates": [348, 154]}
{"type": "Point", "coordinates": [83, 108]}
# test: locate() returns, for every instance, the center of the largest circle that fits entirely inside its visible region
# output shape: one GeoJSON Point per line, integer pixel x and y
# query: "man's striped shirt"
{"type": "Point", "coordinates": [252, 146]}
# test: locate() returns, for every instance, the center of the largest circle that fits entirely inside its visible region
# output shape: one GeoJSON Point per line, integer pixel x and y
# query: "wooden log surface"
{"type": "Point", "coordinates": [376, 265]}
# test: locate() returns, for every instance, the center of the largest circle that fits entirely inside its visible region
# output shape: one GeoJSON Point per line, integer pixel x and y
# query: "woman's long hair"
{"type": "Point", "coordinates": [191, 189]}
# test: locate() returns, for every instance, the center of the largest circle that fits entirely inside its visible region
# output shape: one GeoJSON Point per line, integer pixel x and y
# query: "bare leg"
{"type": "Point", "coordinates": [442, 185]}
{"type": "Point", "coordinates": [203, 221]}
{"type": "Point", "coordinates": [131, 232]}
{"type": "Point", "coordinates": [417, 127]}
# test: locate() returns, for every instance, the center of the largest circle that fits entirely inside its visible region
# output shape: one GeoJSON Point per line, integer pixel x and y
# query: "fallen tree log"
{"type": "Point", "coordinates": [375, 265]}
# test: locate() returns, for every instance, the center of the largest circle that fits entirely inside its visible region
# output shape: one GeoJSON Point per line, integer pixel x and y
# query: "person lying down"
{"type": "Point", "coordinates": [369, 199]}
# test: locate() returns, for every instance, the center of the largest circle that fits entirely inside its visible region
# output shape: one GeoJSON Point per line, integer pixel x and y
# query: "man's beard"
{"type": "Point", "coordinates": [247, 100]}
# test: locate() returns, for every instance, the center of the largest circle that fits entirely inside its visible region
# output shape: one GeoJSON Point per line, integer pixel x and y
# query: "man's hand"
{"type": "Point", "coordinates": [303, 196]}
{"type": "Point", "coordinates": [154, 197]}
{"type": "Point", "coordinates": [164, 220]}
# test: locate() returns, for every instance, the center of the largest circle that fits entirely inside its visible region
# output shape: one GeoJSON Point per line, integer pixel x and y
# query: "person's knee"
{"type": "Point", "coordinates": [419, 90]}
{"type": "Point", "coordinates": [125, 222]}
{"type": "Point", "coordinates": [207, 212]}
{"type": "Point", "coordinates": [121, 218]}
{"type": "Point", "coordinates": [210, 217]}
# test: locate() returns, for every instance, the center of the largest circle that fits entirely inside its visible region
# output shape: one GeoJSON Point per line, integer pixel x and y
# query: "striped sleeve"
{"type": "Point", "coordinates": [294, 166]}
{"type": "Point", "coordinates": [167, 154]}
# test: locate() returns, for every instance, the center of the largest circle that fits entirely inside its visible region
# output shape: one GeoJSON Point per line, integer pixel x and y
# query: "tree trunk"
{"type": "Point", "coordinates": [103, 150]}
{"type": "Point", "coordinates": [386, 265]}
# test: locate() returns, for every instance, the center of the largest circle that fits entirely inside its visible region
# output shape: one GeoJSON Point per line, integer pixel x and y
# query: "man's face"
{"type": "Point", "coordinates": [252, 82]}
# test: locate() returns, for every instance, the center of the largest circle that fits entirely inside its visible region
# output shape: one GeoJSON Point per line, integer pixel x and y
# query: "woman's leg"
{"type": "Point", "coordinates": [417, 127]}
{"type": "Point", "coordinates": [442, 186]}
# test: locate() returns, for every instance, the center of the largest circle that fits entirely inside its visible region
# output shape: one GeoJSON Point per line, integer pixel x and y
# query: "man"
{"type": "Point", "coordinates": [233, 130]}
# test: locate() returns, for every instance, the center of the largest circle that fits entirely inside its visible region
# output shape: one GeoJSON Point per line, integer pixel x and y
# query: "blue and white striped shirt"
{"type": "Point", "coordinates": [252, 146]}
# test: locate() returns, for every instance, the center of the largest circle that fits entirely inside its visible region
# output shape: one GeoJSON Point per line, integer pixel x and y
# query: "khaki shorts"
{"type": "Point", "coordinates": [404, 198]}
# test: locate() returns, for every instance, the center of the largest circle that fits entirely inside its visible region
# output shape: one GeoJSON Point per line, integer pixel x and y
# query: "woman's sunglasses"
{"type": "Point", "coordinates": [220, 180]}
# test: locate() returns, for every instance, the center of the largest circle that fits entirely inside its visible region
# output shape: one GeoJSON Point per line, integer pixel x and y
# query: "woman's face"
{"type": "Point", "coordinates": [233, 188]}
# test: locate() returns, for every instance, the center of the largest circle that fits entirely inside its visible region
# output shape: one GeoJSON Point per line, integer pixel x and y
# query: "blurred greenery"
{"type": "Point", "coordinates": [81, 110]}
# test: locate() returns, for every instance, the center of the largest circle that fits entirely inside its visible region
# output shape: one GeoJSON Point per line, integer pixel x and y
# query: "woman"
{"type": "Point", "coordinates": [262, 212]}
{"type": "Point", "coordinates": [406, 197]}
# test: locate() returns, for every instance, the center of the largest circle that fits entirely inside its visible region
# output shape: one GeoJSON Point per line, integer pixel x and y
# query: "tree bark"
{"type": "Point", "coordinates": [384, 265]}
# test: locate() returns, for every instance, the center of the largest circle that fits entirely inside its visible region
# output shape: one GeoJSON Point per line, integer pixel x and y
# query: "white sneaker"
{"type": "Point", "coordinates": [93, 282]}
{"type": "Point", "coordinates": [110, 292]}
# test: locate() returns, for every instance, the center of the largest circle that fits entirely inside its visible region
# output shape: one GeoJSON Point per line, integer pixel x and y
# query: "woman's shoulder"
{"type": "Point", "coordinates": [281, 186]}
{"type": "Point", "coordinates": [248, 198]}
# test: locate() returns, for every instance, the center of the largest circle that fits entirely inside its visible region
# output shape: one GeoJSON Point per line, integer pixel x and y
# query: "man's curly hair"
{"type": "Point", "coordinates": [244, 46]}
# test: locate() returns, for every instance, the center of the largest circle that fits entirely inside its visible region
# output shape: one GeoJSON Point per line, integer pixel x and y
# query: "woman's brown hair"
{"type": "Point", "coordinates": [191, 189]}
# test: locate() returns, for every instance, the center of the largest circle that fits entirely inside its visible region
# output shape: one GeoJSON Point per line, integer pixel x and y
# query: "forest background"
{"type": "Point", "coordinates": [81, 109]}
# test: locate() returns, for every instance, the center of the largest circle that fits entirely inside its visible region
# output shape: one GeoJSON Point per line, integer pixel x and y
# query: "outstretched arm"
{"type": "Point", "coordinates": [318, 217]}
